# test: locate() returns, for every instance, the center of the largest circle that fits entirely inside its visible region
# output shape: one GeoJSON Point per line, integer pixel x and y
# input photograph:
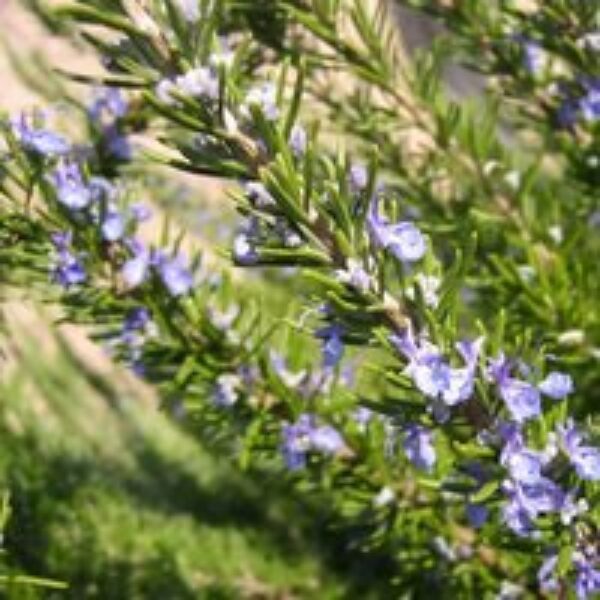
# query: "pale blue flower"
{"type": "Point", "coordinates": [402, 239]}
{"type": "Point", "coordinates": [585, 459]}
{"type": "Point", "coordinates": [547, 576]}
{"type": "Point", "coordinates": [175, 274]}
{"type": "Point", "coordinates": [135, 270]}
{"type": "Point", "coordinates": [113, 227]}
{"type": "Point", "coordinates": [68, 270]}
{"type": "Point", "coordinates": [298, 141]}
{"type": "Point", "coordinates": [587, 583]}
{"type": "Point", "coordinates": [522, 399]}
{"type": "Point", "coordinates": [40, 141]}
{"type": "Point", "coordinates": [327, 440]}
{"type": "Point", "coordinates": [333, 347]}
{"type": "Point", "coordinates": [418, 447]}
{"type": "Point", "coordinates": [556, 385]}
{"type": "Point", "coordinates": [71, 189]}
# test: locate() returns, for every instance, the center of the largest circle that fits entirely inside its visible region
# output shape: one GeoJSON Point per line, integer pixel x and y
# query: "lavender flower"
{"type": "Point", "coordinates": [587, 582]}
{"type": "Point", "coordinates": [263, 97]}
{"type": "Point", "coordinates": [68, 269]}
{"type": "Point", "coordinates": [477, 515]}
{"type": "Point", "coordinates": [403, 239]}
{"type": "Point", "coordinates": [589, 104]}
{"type": "Point", "coordinates": [71, 189]}
{"type": "Point", "coordinates": [137, 319]}
{"type": "Point", "coordinates": [244, 252]}
{"type": "Point", "coordinates": [534, 57]}
{"type": "Point", "coordinates": [175, 275]}
{"type": "Point", "coordinates": [355, 276]}
{"type": "Point", "coordinates": [298, 140]}
{"type": "Point", "coordinates": [108, 102]}
{"type": "Point", "coordinates": [556, 385]}
{"type": "Point", "coordinates": [546, 575]}
{"type": "Point", "coordinates": [333, 347]}
{"type": "Point", "coordinates": [296, 442]}
{"type": "Point", "coordinates": [521, 398]}
{"type": "Point", "coordinates": [419, 448]}
{"type": "Point", "coordinates": [39, 141]}
{"type": "Point", "coordinates": [585, 459]}
{"type": "Point", "coordinates": [200, 82]}
{"type": "Point", "coordinates": [140, 212]}
{"type": "Point", "coordinates": [304, 436]}
{"type": "Point", "coordinates": [327, 440]}
{"type": "Point", "coordinates": [528, 500]}
{"type": "Point", "coordinates": [359, 178]}
{"type": "Point", "coordinates": [226, 390]}
{"type": "Point", "coordinates": [258, 195]}
{"type": "Point", "coordinates": [432, 375]}
{"type": "Point", "coordinates": [113, 227]}
{"type": "Point", "coordinates": [135, 270]}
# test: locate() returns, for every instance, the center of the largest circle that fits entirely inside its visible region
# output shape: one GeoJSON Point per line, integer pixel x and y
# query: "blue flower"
{"type": "Point", "coordinates": [402, 239]}
{"type": "Point", "coordinates": [534, 57]}
{"type": "Point", "coordinates": [587, 582]}
{"type": "Point", "coordinates": [528, 500]}
{"type": "Point", "coordinates": [546, 575]}
{"type": "Point", "coordinates": [108, 101]}
{"type": "Point", "coordinates": [556, 385]}
{"type": "Point", "coordinates": [477, 515]}
{"type": "Point", "coordinates": [39, 141]}
{"type": "Point", "coordinates": [175, 275]}
{"type": "Point", "coordinates": [258, 195]}
{"type": "Point", "coordinates": [298, 140]}
{"type": "Point", "coordinates": [244, 253]}
{"type": "Point", "coordinates": [431, 373]}
{"type": "Point", "coordinates": [68, 270]}
{"type": "Point", "coordinates": [200, 82]}
{"type": "Point", "coordinates": [137, 319]}
{"type": "Point", "coordinates": [135, 270]}
{"type": "Point", "coordinates": [589, 104]}
{"type": "Point", "coordinates": [71, 189]}
{"type": "Point", "coordinates": [113, 227]}
{"type": "Point", "coordinates": [296, 441]}
{"type": "Point", "coordinates": [303, 436]}
{"type": "Point", "coordinates": [226, 391]}
{"type": "Point", "coordinates": [327, 440]}
{"type": "Point", "coordinates": [521, 398]}
{"type": "Point", "coordinates": [359, 178]}
{"type": "Point", "coordinates": [116, 143]}
{"type": "Point", "coordinates": [419, 448]}
{"type": "Point", "coordinates": [333, 347]}
{"type": "Point", "coordinates": [585, 459]}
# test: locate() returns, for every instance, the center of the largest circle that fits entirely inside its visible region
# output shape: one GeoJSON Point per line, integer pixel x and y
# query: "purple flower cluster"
{"type": "Point", "coordinates": [523, 399]}
{"type": "Point", "coordinates": [432, 375]}
{"type": "Point", "coordinates": [529, 488]}
{"type": "Point", "coordinates": [305, 436]}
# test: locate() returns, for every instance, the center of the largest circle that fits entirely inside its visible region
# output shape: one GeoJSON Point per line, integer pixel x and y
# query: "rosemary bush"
{"type": "Point", "coordinates": [431, 379]}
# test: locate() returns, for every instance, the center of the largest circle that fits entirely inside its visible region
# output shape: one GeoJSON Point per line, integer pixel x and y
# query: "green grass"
{"type": "Point", "coordinates": [112, 497]}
